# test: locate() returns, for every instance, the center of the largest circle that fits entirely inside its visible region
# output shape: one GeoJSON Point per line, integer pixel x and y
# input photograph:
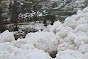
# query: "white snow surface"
{"type": "Point", "coordinates": [69, 39]}
{"type": "Point", "coordinates": [6, 36]}
{"type": "Point", "coordinates": [46, 41]}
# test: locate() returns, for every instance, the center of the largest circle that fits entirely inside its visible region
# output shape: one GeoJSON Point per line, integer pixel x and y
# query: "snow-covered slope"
{"type": "Point", "coordinates": [69, 40]}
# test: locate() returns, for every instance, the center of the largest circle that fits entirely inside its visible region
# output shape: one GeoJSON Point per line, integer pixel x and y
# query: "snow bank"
{"type": "Point", "coordinates": [76, 38]}
{"type": "Point", "coordinates": [20, 49]}
{"type": "Point", "coordinates": [69, 40]}
{"type": "Point", "coordinates": [72, 35]}
{"type": "Point", "coordinates": [16, 50]}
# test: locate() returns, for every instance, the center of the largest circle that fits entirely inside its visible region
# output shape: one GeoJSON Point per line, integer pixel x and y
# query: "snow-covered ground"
{"type": "Point", "coordinates": [69, 40]}
{"type": "Point", "coordinates": [32, 25]}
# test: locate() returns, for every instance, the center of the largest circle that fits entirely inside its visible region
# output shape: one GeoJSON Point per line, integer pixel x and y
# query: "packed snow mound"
{"type": "Point", "coordinates": [59, 29]}
{"type": "Point", "coordinates": [80, 18]}
{"type": "Point", "coordinates": [74, 41]}
{"type": "Point", "coordinates": [57, 26]}
{"type": "Point", "coordinates": [34, 54]}
{"type": "Point", "coordinates": [64, 32]}
{"type": "Point", "coordinates": [71, 22]}
{"type": "Point", "coordinates": [73, 34]}
{"type": "Point", "coordinates": [69, 40]}
{"type": "Point", "coordinates": [6, 36]}
{"type": "Point", "coordinates": [23, 44]}
{"type": "Point", "coordinates": [46, 41]}
{"type": "Point", "coordinates": [24, 54]}
{"type": "Point", "coordinates": [9, 50]}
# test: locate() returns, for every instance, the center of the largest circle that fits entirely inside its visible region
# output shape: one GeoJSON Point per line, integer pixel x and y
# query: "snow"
{"type": "Point", "coordinates": [71, 22]}
{"type": "Point", "coordinates": [32, 26]}
{"type": "Point", "coordinates": [82, 27]}
{"type": "Point", "coordinates": [46, 41]}
{"type": "Point", "coordinates": [28, 15]}
{"type": "Point", "coordinates": [69, 54]}
{"type": "Point", "coordinates": [21, 49]}
{"type": "Point", "coordinates": [6, 37]}
{"type": "Point", "coordinates": [69, 40]}
{"type": "Point", "coordinates": [85, 10]}
{"type": "Point", "coordinates": [35, 54]}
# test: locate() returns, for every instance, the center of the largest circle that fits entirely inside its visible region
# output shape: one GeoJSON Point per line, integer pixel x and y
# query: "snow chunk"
{"type": "Point", "coordinates": [71, 22]}
{"type": "Point", "coordinates": [69, 54]}
{"type": "Point", "coordinates": [85, 10]}
{"type": "Point", "coordinates": [56, 27]}
{"type": "Point", "coordinates": [46, 41]}
{"type": "Point", "coordinates": [81, 21]}
{"type": "Point", "coordinates": [9, 51]}
{"type": "Point", "coordinates": [22, 44]}
{"type": "Point", "coordinates": [82, 27]}
{"type": "Point", "coordinates": [83, 48]}
{"type": "Point", "coordinates": [6, 36]}
{"type": "Point", "coordinates": [74, 41]}
{"type": "Point", "coordinates": [64, 31]}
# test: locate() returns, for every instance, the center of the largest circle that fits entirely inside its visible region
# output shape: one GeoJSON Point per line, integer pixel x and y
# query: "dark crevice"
{"type": "Point", "coordinates": [53, 54]}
